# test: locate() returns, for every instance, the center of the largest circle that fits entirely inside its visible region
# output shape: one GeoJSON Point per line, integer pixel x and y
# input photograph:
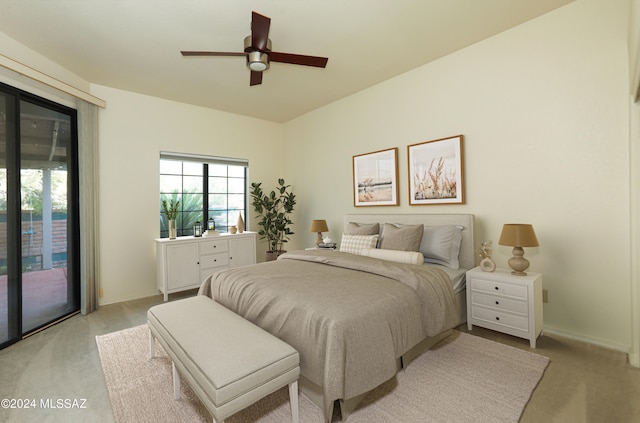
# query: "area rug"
{"type": "Point", "coordinates": [462, 379]}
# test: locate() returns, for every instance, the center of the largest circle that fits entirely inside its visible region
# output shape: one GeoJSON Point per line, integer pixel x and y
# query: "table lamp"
{"type": "Point", "coordinates": [518, 235]}
{"type": "Point", "coordinates": [319, 226]}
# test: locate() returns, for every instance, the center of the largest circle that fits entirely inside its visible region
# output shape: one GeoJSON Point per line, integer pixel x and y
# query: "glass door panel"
{"type": "Point", "coordinates": [5, 102]}
{"type": "Point", "coordinates": [45, 139]}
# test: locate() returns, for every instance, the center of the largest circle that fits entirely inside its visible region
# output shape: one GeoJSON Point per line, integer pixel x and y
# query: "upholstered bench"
{"type": "Point", "coordinates": [229, 362]}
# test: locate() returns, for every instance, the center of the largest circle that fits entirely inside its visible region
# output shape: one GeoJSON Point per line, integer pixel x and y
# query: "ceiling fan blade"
{"type": "Point", "coordinates": [298, 59]}
{"type": "Point", "coordinates": [256, 78]}
{"type": "Point", "coordinates": [212, 53]}
{"type": "Point", "coordinates": [259, 31]}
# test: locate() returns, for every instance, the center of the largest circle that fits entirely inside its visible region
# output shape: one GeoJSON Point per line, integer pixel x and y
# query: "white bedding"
{"type": "Point", "coordinates": [457, 276]}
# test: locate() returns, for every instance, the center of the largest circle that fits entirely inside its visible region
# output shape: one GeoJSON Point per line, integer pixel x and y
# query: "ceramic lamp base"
{"type": "Point", "coordinates": [518, 263]}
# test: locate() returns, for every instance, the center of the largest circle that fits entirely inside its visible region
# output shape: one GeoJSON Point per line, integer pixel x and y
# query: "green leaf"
{"type": "Point", "coordinates": [273, 211]}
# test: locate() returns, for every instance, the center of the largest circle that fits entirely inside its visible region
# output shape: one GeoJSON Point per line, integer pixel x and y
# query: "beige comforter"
{"type": "Point", "coordinates": [350, 317]}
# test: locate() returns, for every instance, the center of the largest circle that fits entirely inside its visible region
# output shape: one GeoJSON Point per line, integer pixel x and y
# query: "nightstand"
{"type": "Point", "coordinates": [505, 303]}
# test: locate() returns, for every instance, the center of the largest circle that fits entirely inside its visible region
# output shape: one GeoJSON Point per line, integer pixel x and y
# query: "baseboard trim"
{"type": "Point", "coordinates": [588, 339]}
{"type": "Point", "coordinates": [107, 301]}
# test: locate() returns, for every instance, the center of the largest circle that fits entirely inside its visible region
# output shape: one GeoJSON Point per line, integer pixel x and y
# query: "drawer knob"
{"type": "Point", "coordinates": [497, 302]}
{"type": "Point", "coordinates": [496, 288]}
{"type": "Point", "coordinates": [497, 318]}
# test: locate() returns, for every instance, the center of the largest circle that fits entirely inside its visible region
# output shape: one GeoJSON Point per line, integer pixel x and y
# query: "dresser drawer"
{"type": "Point", "coordinates": [500, 318]}
{"type": "Point", "coordinates": [500, 303]}
{"type": "Point", "coordinates": [214, 246]}
{"type": "Point", "coordinates": [506, 289]}
{"type": "Point", "coordinates": [214, 260]}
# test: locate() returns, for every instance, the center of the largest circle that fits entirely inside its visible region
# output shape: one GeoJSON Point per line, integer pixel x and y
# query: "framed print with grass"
{"type": "Point", "coordinates": [436, 172]}
{"type": "Point", "coordinates": [375, 178]}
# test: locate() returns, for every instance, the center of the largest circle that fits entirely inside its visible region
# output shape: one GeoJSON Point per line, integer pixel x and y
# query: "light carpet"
{"type": "Point", "coordinates": [462, 379]}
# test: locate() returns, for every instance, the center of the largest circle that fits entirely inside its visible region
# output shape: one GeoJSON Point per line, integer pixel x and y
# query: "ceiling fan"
{"type": "Point", "coordinates": [257, 49]}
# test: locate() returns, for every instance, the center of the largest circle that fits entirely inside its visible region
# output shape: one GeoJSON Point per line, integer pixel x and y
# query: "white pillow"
{"type": "Point", "coordinates": [354, 244]}
{"type": "Point", "coordinates": [408, 257]}
{"type": "Point", "coordinates": [441, 245]}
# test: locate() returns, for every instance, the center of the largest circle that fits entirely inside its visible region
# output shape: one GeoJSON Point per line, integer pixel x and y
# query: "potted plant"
{"type": "Point", "coordinates": [171, 211]}
{"type": "Point", "coordinates": [273, 212]}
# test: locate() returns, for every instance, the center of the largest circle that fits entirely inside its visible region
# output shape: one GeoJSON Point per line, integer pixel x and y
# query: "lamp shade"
{"type": "Point", "coordinates": [319, 226]}
{"type": "Point", "coordinates": [518, 235]}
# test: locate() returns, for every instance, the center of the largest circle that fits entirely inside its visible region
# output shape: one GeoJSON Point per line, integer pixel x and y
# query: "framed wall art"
{"type": "Point", "coordinates": [375, 178]}
{"type": "Point", "coordinates": [436, 172]}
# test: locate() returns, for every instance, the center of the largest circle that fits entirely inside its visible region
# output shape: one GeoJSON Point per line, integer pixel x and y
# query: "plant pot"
{"type": "Point", "coordinates": [173, 229]}
{"type": "Point", "coordinates": [273, 255]}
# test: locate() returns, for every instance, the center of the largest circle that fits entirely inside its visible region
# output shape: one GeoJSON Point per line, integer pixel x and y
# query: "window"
{"type": "Point", "coordinates": [207, 187]}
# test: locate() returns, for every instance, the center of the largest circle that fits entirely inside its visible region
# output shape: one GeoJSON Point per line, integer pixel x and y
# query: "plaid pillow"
{"type": "Point", "coordinates": [354, 244]}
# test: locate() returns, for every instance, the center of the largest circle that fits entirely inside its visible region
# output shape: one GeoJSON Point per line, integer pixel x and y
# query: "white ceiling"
{"type": "Point", "coordinates": [135, 45]}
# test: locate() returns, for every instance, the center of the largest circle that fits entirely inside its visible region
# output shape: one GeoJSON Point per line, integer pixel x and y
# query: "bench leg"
{"type": "Point", "coordinates": [293, 400]}
{"type": "Point", "coordinates": [176, 381]}
{"type": "Point", "coordinates": [152, 345]}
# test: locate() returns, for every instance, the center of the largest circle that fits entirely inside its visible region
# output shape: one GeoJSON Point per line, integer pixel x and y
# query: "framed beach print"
{"type": "Point", "coordinates": [436, 172]}
{"type": "Point", "coordinates": [375, 178]}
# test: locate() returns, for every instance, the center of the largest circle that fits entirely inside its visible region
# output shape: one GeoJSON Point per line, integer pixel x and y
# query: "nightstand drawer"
{"type": "Point", "coordinates": [500, 303]}
{"type": "Point", "coordinates": [499, 318]}
{"type": "Point", "coordinates": [506, 289]}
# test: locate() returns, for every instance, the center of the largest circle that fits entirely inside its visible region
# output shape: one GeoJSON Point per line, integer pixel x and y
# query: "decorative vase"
{"type": "Point", "coordinates": [233, 229]}
{"type": "Point", "coordinates": [173, 229]}
{"type": "Point", "coordinates": [487, 264]}
{"type": "Point", "coordinates": [240, 224]}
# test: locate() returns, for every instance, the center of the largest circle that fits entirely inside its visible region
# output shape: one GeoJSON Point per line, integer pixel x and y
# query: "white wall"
{"type": "Point", "coordinates": [544, 111]}
{"type": "Point", "coordinates": [134, 129]}
{"type": "Point", "coordinates": [18, 52]}
{"type": "Point", "coordinates": [634, 158]}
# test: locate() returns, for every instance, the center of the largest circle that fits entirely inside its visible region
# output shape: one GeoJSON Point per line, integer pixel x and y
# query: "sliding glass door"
{"type": "Point", "coordinates": [39, 283]}
{"type": "Point", "coordinates": [9, 300]}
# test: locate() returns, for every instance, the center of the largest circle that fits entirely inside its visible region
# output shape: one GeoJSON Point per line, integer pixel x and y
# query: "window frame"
{"type": "Point", "coordinates": [204, 209]}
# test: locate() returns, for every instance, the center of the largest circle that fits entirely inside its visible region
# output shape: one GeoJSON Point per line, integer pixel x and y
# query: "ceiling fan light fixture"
{"type": "Point", "coordinates": [258, 51]}
{"type": "Point", "coordinates": [257, 61]}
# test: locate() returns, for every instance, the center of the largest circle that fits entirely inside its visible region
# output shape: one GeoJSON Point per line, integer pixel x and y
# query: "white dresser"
{"type": "Point", "coordinates": [505, 303]}
{"type": "Point", "coordinates": [183, 263]}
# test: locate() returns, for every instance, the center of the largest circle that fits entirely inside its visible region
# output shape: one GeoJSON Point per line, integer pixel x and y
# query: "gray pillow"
{"type": "Point", "coordinates": [441, 245]}
{"type": "Point", "coordinates": [354, 228]}
{"type": "Point", "coordinates": [403, 238]}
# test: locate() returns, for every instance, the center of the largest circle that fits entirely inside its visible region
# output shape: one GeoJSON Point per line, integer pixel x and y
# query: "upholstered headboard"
{"type": "Point", "coordinates": [467, 254]}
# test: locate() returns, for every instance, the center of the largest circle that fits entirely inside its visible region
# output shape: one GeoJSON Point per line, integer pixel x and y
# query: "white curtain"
{"type": "Point", "coordinates": [89, 219]}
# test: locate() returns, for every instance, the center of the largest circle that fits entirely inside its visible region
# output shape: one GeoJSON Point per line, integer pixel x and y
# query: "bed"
{"type": "Point", "coordinates": [355, 319]}
{"type": "Point", "coordinates": [466, 254]}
